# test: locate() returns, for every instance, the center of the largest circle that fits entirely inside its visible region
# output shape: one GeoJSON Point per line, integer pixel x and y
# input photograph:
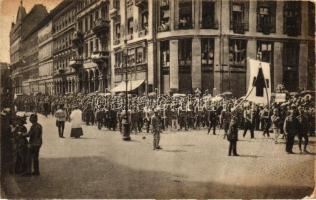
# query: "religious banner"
{"type": "Point", "coordinates": [259, 89]}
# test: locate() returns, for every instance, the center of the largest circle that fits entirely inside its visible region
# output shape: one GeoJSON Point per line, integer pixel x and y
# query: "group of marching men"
{"type": "Point", "coordinates": [186, 112]}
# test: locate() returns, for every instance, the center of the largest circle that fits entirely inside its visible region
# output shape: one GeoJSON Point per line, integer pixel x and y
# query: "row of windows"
{"type": "Point", "coordinates": [135, 56]}
{"type": "Point", "coordinates": [239, 16]}
{"type": "Point", "coordinates": [64, 21]}
{"type": "Point", "coordinates": [87, 22]}
{"type": "Point", "coordinates": [63, 42]}
{"type": "Point", "coordinates": [82, 4]}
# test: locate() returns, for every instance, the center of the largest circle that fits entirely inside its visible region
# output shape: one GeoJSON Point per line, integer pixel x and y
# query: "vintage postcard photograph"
{"type": "Point", "coordinates": [157, 99]}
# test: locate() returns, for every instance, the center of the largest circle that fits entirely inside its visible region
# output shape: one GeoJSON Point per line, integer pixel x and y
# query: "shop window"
{"type": "Point", "coordinates": [185, 14]}
{"type": "Point", "coordinates": [292, 18]}
{"type": "Point", "coordinates": [140, 55]}
{"type": "Point", "coordinates": [165, 54]}
{"type": "Point", "coordinates": [208, 14]}
{"type": "Point", "coordinates": [118, 60]}
{"type": "Point", "coordinates": [237, 53]}
{"type": "Point", "coordinates": [239, 16]}
{"type": "Point", "coordinates": [266, 16]}
{"type": "Point", "coordinates": [164, 16]}
{"type": "Point", "coordinates": [131, 57]}
{"type": "Point", "coordinates": [207, 53]}
{"type": "Point", "coordinates": [185, 52]}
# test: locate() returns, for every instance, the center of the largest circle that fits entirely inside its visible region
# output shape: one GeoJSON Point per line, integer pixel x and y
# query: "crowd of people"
{"type": "Point", "coordinates": [155, 113]}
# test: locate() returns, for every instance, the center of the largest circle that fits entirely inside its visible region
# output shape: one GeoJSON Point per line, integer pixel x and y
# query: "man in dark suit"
{"type": "Point", "coordinates": [212, 120]}
{"type": "Point", "coordinates": [34, 146]}
{"type": "Point", "coordinates": [291, 125]}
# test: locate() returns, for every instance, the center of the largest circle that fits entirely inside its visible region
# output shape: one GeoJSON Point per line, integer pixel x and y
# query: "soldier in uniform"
{"type": "Point", "coordinates": [212, 120]}
{"type": "Point", "coordinates": [225, 119]}
{"type": "Point", "coordinates": [302, 130]}
{"type": "Point", "coordinates": [156, 129]}
{"type": "Point", "coordinates": [232, 137]}
{"type": "Point", "coordinates": [291, 125]}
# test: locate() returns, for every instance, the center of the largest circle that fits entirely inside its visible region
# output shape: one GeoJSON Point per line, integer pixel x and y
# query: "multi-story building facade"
{"type": "Point", "coordinates": [91, 44]}
{"type": "Point", "coordinates": [181, 45]}
{"type": "Point", "coordinates": [63, 22]}
{"type": "Point", "coordinates": [24, 49]}
{"type": "Point", "coordinates": [45, 56]}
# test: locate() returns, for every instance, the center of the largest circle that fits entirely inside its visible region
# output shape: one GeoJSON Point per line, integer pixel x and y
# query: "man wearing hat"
{"type": "Point", "coordinates": [291, 125]}
{"type": "Point", "coordinates": [302, 130]}
{"type": "Point", "coordinates": [35, 143]}
{"type": "Point", "coordinates": [156, 129]}
{"type": "Point", "coordinates": [61, 116]}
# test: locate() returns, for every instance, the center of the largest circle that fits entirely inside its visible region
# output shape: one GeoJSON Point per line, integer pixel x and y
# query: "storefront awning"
{"type": "Point", "coordinates": [131, 85]}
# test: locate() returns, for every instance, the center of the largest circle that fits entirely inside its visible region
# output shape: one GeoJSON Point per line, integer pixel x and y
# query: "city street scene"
{"type": "Point", "coordinates": [112, 99]}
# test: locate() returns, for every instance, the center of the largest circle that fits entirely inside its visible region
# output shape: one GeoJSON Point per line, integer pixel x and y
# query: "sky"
{"type": "Point", "coordinates": [8, 12]}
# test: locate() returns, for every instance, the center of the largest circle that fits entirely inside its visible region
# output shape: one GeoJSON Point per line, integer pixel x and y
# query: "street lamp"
{"type": "Point", "coordinates": [126, 131]}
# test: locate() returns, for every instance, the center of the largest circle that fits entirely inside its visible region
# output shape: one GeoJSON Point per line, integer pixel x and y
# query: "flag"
{"type": "Point", "coordinates": [259, 89]}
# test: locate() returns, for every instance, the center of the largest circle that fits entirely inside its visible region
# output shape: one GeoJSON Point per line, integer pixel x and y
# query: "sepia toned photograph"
{"type": "Point", "coordinates": [157, 99]}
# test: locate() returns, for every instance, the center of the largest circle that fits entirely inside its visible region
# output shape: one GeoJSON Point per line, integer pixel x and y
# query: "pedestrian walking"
{"type": "Point", "coordinates": [232, 137]}
{"type": "Point", "coordinates": [61, 117]}
{"type": "Point", "coordinates": [76, 123]}
{"type": "Point", "coordinates": [156, 129]}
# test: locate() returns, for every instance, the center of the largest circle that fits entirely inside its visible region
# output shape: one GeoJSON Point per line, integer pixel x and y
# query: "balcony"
{"type": "Point", "coordinates": [76, 63]}
{"type": "Point", "coordinates": [101, 26]}
{"type": "Point", "coordinates": [141, 3]}
{"type": "Point", "coordinates": [77, 39]}
{"type": "Point", "coordinates": [100, 57]}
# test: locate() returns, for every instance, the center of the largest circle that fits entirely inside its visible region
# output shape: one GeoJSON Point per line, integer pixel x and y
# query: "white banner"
{"type": "Point", "coordinates": [280, 97]}
{"type": "Point", "coordinates": [259, 89]}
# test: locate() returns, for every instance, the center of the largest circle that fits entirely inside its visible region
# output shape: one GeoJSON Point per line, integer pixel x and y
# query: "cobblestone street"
{"type": "Point", "coordinates": [191, 165]}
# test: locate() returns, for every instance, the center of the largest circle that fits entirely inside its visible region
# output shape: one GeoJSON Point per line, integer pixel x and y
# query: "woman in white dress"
{"type": "Point", "coordinates": [76, 123]}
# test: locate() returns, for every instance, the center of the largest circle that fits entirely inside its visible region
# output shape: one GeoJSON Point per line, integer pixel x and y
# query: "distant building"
{"type": "Point", "coordinates": [24, 49]}
{"type": "Point", "coordinates": [64, 23]}
{"type": "Point", "coordinates": [6, 92]}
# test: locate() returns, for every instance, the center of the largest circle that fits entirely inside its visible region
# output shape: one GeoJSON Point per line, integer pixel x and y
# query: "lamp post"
{"type": "Point", "coordinates": [126, 132]}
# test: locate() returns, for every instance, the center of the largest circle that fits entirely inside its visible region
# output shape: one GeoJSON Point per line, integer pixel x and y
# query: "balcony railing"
{"type": "Point", "coordinates": [76, 63]}
{"type": "Point", "coordinates": [141, 3]}
{"type": "Point", "coordinates": [101, 26]}
{"type": "Point", "coordinates": [100, 56]}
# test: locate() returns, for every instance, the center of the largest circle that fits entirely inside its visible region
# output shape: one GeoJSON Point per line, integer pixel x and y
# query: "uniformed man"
{"type": "Point", "coordinates": [212, 120]}
{"type": "Point", "coordinates": [248, 123]}
{"type": "Point", "coordinates": [291, 125]}
{"type": "Point", "coordinates": [156, 129]}
{"type": "Point", "coordinates": [302, 130]}
{"type": "Point", "coordinates": [35, 143]}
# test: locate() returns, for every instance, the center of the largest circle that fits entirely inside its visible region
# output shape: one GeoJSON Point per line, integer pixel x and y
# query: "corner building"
{"type": "Point", "coordinates": [181, 45]}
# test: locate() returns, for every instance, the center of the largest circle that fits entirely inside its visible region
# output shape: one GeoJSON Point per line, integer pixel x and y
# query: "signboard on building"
{"type": "Point", "coordinates": [280, 97]}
